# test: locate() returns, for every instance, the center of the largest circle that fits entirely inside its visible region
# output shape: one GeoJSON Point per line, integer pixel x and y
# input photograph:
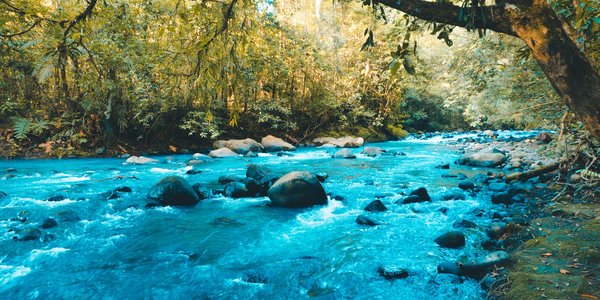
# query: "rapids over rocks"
{"type": "Point", "coordinates": [72, 229]}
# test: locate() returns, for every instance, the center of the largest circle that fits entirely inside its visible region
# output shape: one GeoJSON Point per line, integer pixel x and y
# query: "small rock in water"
{"type": "Point", "coordinates": [498, 187]}
{"type": "Point", "coordinates": [225, 179]}
{"type": "Point", "coordinates": [392, 273]}
{"type": "Point", "coordinates": [10, 170]}
{"type": "Point", "coordinates": [193, 172]}
{"type": "Point", "coordinates": [55, 198]}
{"type": "Point", "coordinates": [236, 190]}
{"type": "Point", "coordinates": [3, 194]}
{"type": "Point", "coordinates": [49, 223]}
{"type": "Point", "coordinates": [140, 160]}
{"type": "Point", "coordinates": [254, 278]}
{"type": "Point", "coordinates": [411, 199]}
{"type": "Point", "coordinates": [448, 267]}
{"type": "Point", "coordinates": [68, 216]}
{"type": "Point", "coordinates": [224, 221]}
{"type": "Point", "coordinates": [466, 185]}
{"type": "Point", "coordinates": [464, 224]}
{"type": "Point", "coordinates": [454, 195]}
{"type": "Point", "coordinates": [27, 234]}
{"type": "Point", "coordinates": [422, 194]}
{"type": "Point", "coordinates": [443, 166]}
{"type": "Point", "coordinates": [502, 198]}
{"type": "Point", "coordinates": [376, 205]}
{"type": "Point", "coordinates": [251, 154]}
{"type": "Point", "coordinates": [344, 153]}
{"type": "Point", "coordinates": [477, 268]}
{"type": "Point", "coordinates": [364, 220]}
{"type": "Point", "coordinates": [451, 239]}
{"type": "Point", "coordinates": [372, 151]}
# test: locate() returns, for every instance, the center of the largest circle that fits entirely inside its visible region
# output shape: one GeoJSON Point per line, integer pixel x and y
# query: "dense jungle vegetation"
{"type": "Point", "coordinates": [81, 75]}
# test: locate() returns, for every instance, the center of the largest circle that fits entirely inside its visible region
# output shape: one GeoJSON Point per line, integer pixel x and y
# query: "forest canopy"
{"type": "Point", "coordinates": [79, 75]}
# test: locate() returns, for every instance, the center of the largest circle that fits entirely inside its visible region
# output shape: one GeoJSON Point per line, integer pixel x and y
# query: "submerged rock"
{"type": "Point", "coordinates": [464, 224]}
{"type": "Point", "coordinates": [27, 234]}
{"type": "Point", "coordinates": [297, 190]}
{"type": "Point", "coordinates": [174, 191]}
{"type": "Point", "coordinates": [344, 153]}
{"type": "Point", "coordinates": [56, 198]}
{"type": "Point", "coordinates": [140, 160]}
{"type": "Point", "coordinates": [364, 220]}
{"type": "Point", "coordinates": [238, 146]}
{"type": "Point", "coordinates": [451, 239]}
{"type": "Point", "coordinates": [3, 194]}
{"type": "Point", "coordinates": [477, 268]}
{"type": "Point", "coordinates": [225, 179]}
{"type": "Point", "coordinates": [454, 195]}
{"type": "Point", "coordinates": [392, 273]}
{"type": "Point", "coordinates": [376, 205]}
{"type": "Point", "coordinates": [222, 152]}
{"type": "Point", "coordinates": [49, 223]}
{"type": "Point", "coordinates": [483, 159]}
{"type": "Point", "coordinates": [258, 172]}
{"type": "Point", "coordinates": [274, 144]}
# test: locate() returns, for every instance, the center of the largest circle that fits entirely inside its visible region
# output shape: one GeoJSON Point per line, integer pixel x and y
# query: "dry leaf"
{"type": "Point", "coordinates": [563, 271]}
{"type": "Point", "coordinates": [588, 296]}
{"type": "Point", "coordinates": [546, 254]}
{"type": "Point", "coordinates": [173, 148]}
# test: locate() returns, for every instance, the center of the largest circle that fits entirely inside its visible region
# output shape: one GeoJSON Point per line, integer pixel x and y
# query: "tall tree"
{"type": "Point", "coordinates": [548, 36]}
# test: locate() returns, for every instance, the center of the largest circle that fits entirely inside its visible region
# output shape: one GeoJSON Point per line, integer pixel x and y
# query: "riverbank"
{"type": "Point", "coordinates": [400, 218]}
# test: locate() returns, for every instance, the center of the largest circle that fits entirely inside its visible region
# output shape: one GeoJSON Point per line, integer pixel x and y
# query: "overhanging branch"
{"type": "Point", "coordinates": [496, 18]}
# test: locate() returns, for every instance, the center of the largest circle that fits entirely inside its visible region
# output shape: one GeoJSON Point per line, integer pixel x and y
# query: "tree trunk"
{"type": "Point", "coordinates": [568, 70]}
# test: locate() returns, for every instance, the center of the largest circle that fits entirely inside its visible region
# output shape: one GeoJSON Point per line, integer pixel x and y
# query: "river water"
{"type": "Point", "coordinates": [227, 248]}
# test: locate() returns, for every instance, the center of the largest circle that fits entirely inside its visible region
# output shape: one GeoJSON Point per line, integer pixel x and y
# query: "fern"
{"type": "Point", "coordinates": [39, 126]}
{"type": "Point", "coordinates": [21, 127]}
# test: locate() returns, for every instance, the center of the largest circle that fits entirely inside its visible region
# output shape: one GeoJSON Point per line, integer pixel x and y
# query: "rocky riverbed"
{"type": "Point", "coordinates": [420, 218]}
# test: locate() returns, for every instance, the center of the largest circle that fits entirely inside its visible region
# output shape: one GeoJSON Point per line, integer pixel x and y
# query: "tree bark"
{"type": "Point", "coordinates": [566, 67]}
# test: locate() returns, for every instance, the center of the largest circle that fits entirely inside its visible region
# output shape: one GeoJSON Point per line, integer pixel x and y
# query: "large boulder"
{"type": "Point", "coordinates": [296, 190]}
{"type": "Point", "coordinates": [451, 239]}
{"type": "Point", "coordinates": [274, 144]}
{"type": "Point", "coordinates": [344, 153]}
{"type": "Point", "coordinates": [238, 146]}
{"type": "Point", "coordinates": [140, 160]}
{"type": "Point", "coordinates": [258, 172]}
{"type": "Point", "coordinates": [222, 152]}
{"type": "Point", "coordinates": [344, 142]}
{"type": "Point", "coordinates": [483, 159]}
{"type": "Point", "coordinates": [350, 142]}
{"type": "Point", "coordinates": [477, 268]}
{"type": "Point", "coordinates": [173, 191]}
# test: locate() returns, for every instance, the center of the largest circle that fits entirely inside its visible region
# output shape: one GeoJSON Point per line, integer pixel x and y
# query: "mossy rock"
{"type": "Point", "coordinates": [397, 131]}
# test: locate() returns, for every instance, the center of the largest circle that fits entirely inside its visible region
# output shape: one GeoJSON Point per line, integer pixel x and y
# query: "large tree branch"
{"type": "Point", "coordinates": [495, 19]}
{"type": "Point", "coordinates": [82, 16]}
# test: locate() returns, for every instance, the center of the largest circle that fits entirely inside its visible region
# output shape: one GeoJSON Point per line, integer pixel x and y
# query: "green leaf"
{"type": "Point", "coordinates": [394, 66]}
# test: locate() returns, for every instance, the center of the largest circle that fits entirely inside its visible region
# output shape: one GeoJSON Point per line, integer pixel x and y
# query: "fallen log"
{"type": "Point", "coordinates": [533, 173]}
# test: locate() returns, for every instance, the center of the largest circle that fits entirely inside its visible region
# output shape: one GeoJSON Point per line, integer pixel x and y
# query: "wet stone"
{"type": "Point", "coordinates": [392, 273]}
{"type": "Point", "coordinates": [376, 206]}
{"type": "Point", "coordinates": [364, 220]}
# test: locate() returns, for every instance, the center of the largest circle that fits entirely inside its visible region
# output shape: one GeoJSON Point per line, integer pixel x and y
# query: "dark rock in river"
{"type": "Point", "coordinates": [236, 190]}
{"type": "Point", "coordinates": [364, 220]}
{"type": "Point", "coordinates": [454, 195]}
{"type": "Point", "coordinates": [448, 267]}
{"type": "Point", "coordinates": [479, 267]}
{"type": "Point", "coordinates": [502, 198]}
{"type": "Point", "coordinates": [376, 205]}
{"type": "Point", "coordinates": [443, 166]}
{"type": "Point", "coordinates": [422, 194]}
{"type": "Point", "coordinates": [10, 170]}
{"type": "Point", "coordinates": [411, 199]}
{"type": "Point", "coordinates": [56, 198]}
{"type": "Point", "coordinates": [49, 223]}
{"type": "Point", "coordinates": [451, 239]}
{"type": "Point", "coordinates": [258, 172]}
{"type": "Point", "coordinates": [344, 153]}
{"type": "Point", "coordinates": [466, 185]}
{"type": "Point", "coordinates": [296, 190]}
{"type": "Point", "coordinates": [498, 187]}
{"type": "Point", "coordinates": [391, 273]}
{"type": "Point", "coordinates": [68, 216]}
{"type": "Point", "coordinates": [464, 224]}
{"type": "Point", "coordinates": [27, 234]}
{"type": "Point", "coordinates": [225, 179]}
{"type": "Point", "coordinates": [3, 194]}
{"type": "Point", "coordinates": [174, 191]}
{"type": "Point", "coordinates": [322, 176]}
{"type": "Point", "coordinates": [193, 172]}
{"type": "Point", "coordinates": [201, 192]}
